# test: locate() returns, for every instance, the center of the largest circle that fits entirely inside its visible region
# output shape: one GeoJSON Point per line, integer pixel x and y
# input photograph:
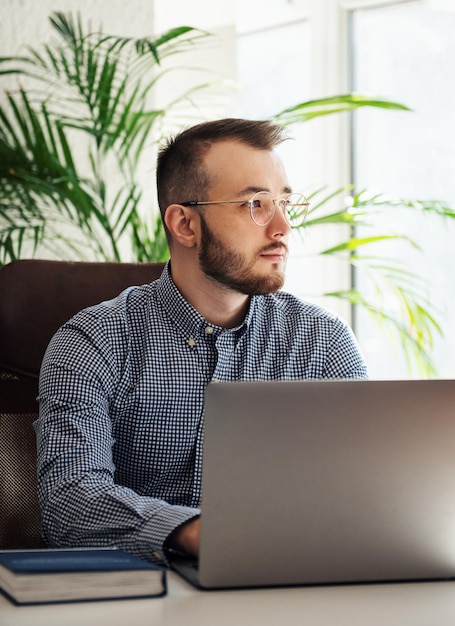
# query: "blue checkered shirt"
{"type": "Point", "coordinates": [122, 405]}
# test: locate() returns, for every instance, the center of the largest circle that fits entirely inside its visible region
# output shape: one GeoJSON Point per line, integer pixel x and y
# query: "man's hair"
{"type": "Point", "coordinates": [181, 175]}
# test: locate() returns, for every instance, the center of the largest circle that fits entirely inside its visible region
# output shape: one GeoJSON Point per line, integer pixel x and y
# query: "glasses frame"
{"type": "Point", "coordinates": [281, 202]}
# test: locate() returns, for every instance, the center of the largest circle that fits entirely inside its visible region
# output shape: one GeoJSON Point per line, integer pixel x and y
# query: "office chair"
{"type": "Point", "coordinates": [36, 298]}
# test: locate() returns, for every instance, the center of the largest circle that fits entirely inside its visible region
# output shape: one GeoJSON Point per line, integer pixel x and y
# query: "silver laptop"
{"type": "Point", "coordinates": [326, 482]}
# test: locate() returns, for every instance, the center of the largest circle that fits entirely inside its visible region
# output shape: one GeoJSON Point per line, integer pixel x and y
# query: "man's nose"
{"type": "Point", "coordinates": [279, 225]}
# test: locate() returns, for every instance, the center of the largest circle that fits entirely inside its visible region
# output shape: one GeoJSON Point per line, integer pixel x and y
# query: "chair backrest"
{"type": "Point", "coordinates": [36, 298]}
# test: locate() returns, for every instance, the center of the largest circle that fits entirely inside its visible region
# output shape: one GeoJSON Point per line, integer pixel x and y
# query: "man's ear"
{"type": "Point", "coordinates": [182, 224]}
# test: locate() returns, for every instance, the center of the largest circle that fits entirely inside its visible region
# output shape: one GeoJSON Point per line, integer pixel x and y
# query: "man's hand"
{"type": "Point", "coordinates": [186, 537]}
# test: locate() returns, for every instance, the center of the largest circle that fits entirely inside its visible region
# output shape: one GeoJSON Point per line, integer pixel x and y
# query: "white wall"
{"type": "Point", "coordinates": [25, 22]}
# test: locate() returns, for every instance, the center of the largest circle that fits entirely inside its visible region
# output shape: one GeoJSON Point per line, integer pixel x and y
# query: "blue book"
{"type": "Point", "coordinates": [69, 575]}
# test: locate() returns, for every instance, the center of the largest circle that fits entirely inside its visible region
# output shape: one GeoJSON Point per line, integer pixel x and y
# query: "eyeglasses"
{"type": "Point", "coordinates": [262, 206]}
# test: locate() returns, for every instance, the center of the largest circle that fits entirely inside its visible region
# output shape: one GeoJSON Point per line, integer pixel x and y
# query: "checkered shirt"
{"type": "Point", "coordinates": [122, 405]}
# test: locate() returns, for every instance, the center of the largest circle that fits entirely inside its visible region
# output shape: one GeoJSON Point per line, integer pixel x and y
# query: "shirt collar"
{"type": "Point", "coordinates": [185, 316]}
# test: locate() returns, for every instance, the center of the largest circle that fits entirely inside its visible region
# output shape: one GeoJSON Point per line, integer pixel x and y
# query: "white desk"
{"type": "Point", "coordinates": [419, 604]}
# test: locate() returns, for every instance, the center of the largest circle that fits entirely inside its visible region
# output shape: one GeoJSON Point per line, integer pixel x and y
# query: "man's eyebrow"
{"type": "Point", "coordinates": [251, 189]}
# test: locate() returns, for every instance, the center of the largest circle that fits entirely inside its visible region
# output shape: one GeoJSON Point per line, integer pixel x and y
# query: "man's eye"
{"type": "Point", "coordinates": [255, 204]}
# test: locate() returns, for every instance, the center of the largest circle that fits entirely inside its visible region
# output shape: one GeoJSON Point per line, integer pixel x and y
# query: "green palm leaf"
{"type": "Point", "coordinates": [311, 109]}
{"type": "Point", "coordinates": [392, 294]}
{"type": "Point", "coordinates": [87, 89]}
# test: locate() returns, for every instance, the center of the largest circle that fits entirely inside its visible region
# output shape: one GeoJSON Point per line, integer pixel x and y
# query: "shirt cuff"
{"type": "Point", "coordinates": [151, 539]}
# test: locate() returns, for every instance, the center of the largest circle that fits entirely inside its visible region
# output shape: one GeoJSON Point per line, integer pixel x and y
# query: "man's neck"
{"type": "Point", "coordinates": [218, 304]}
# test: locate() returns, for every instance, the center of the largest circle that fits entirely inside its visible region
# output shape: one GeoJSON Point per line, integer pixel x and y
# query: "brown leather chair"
{"type": "Point", "coordinates": [36, 298]}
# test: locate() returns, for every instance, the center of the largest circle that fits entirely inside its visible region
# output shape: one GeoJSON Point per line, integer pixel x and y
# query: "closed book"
{"type": "Point", "coordinates": [69, 575]}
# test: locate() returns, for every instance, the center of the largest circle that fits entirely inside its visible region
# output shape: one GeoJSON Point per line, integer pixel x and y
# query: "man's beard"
{"type": "Point", "coordinates": [232, 269]}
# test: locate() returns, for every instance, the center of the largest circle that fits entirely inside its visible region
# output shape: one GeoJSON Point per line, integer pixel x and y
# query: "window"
{"type": "Point", "coordinates": [406, 52]}
{"type": "Point", "coordinates": [402, 50]}
{"type": "Point", "coordinates": [276, 53]}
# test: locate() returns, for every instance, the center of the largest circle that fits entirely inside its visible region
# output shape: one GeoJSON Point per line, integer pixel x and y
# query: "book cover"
{"type": "Point", "coordinates": [68, 575]}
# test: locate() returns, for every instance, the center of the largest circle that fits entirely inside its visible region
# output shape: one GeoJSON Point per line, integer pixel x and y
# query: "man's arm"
{"type": "Point", "coordinates": [344, 358]}
{"type": "Point", "coordinates": [82, 505]}
{"type": "Point", "coordinates": [186, 537]}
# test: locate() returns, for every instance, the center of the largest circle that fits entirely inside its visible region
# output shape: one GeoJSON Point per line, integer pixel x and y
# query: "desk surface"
{"type": "Point", "coordinates": [406, 604]}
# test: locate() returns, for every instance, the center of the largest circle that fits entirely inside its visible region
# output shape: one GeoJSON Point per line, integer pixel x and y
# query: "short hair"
{"type": "Point", "coordinates": [181, 175]}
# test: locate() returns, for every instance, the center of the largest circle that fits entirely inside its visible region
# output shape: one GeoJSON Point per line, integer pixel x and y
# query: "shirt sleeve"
{"type": "Point", "coordinates": [80, 501]}
{"type": "Point", "coordinates": [344, 359]}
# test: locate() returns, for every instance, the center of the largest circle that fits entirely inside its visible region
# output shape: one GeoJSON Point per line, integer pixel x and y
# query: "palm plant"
{"type": "Point", "coordinates": [395, 297]}
{"type": "Point", "coordinates": [71, 148]}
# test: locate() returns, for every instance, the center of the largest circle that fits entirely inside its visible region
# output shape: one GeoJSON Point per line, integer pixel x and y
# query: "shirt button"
{"type": "Point", "coordinates": [208, 330]}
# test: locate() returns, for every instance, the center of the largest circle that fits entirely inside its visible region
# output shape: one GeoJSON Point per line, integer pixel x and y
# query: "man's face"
{"type": "Point", "coordinates": [234, 251]}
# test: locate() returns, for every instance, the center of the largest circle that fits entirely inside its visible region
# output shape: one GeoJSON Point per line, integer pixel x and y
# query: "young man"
{"type": "Point", "coordinates": [122, 383]}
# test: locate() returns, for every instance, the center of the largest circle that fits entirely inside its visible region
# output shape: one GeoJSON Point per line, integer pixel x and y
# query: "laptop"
{"type": "Point", "coordinates": [326, 482]}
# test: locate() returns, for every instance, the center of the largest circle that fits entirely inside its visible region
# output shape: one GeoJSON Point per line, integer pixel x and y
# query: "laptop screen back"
{"type": "Point", "coordinates": [328, 481]}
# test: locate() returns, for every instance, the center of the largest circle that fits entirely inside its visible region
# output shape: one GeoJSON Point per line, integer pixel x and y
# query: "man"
{"type": "Point", "coordinates": [122, 383]}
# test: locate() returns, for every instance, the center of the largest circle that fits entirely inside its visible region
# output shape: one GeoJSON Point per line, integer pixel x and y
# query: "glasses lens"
{"type": "Point", "coordinates": [296, 209]}
{"type": "Point", "coordinates": [262, 207]}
